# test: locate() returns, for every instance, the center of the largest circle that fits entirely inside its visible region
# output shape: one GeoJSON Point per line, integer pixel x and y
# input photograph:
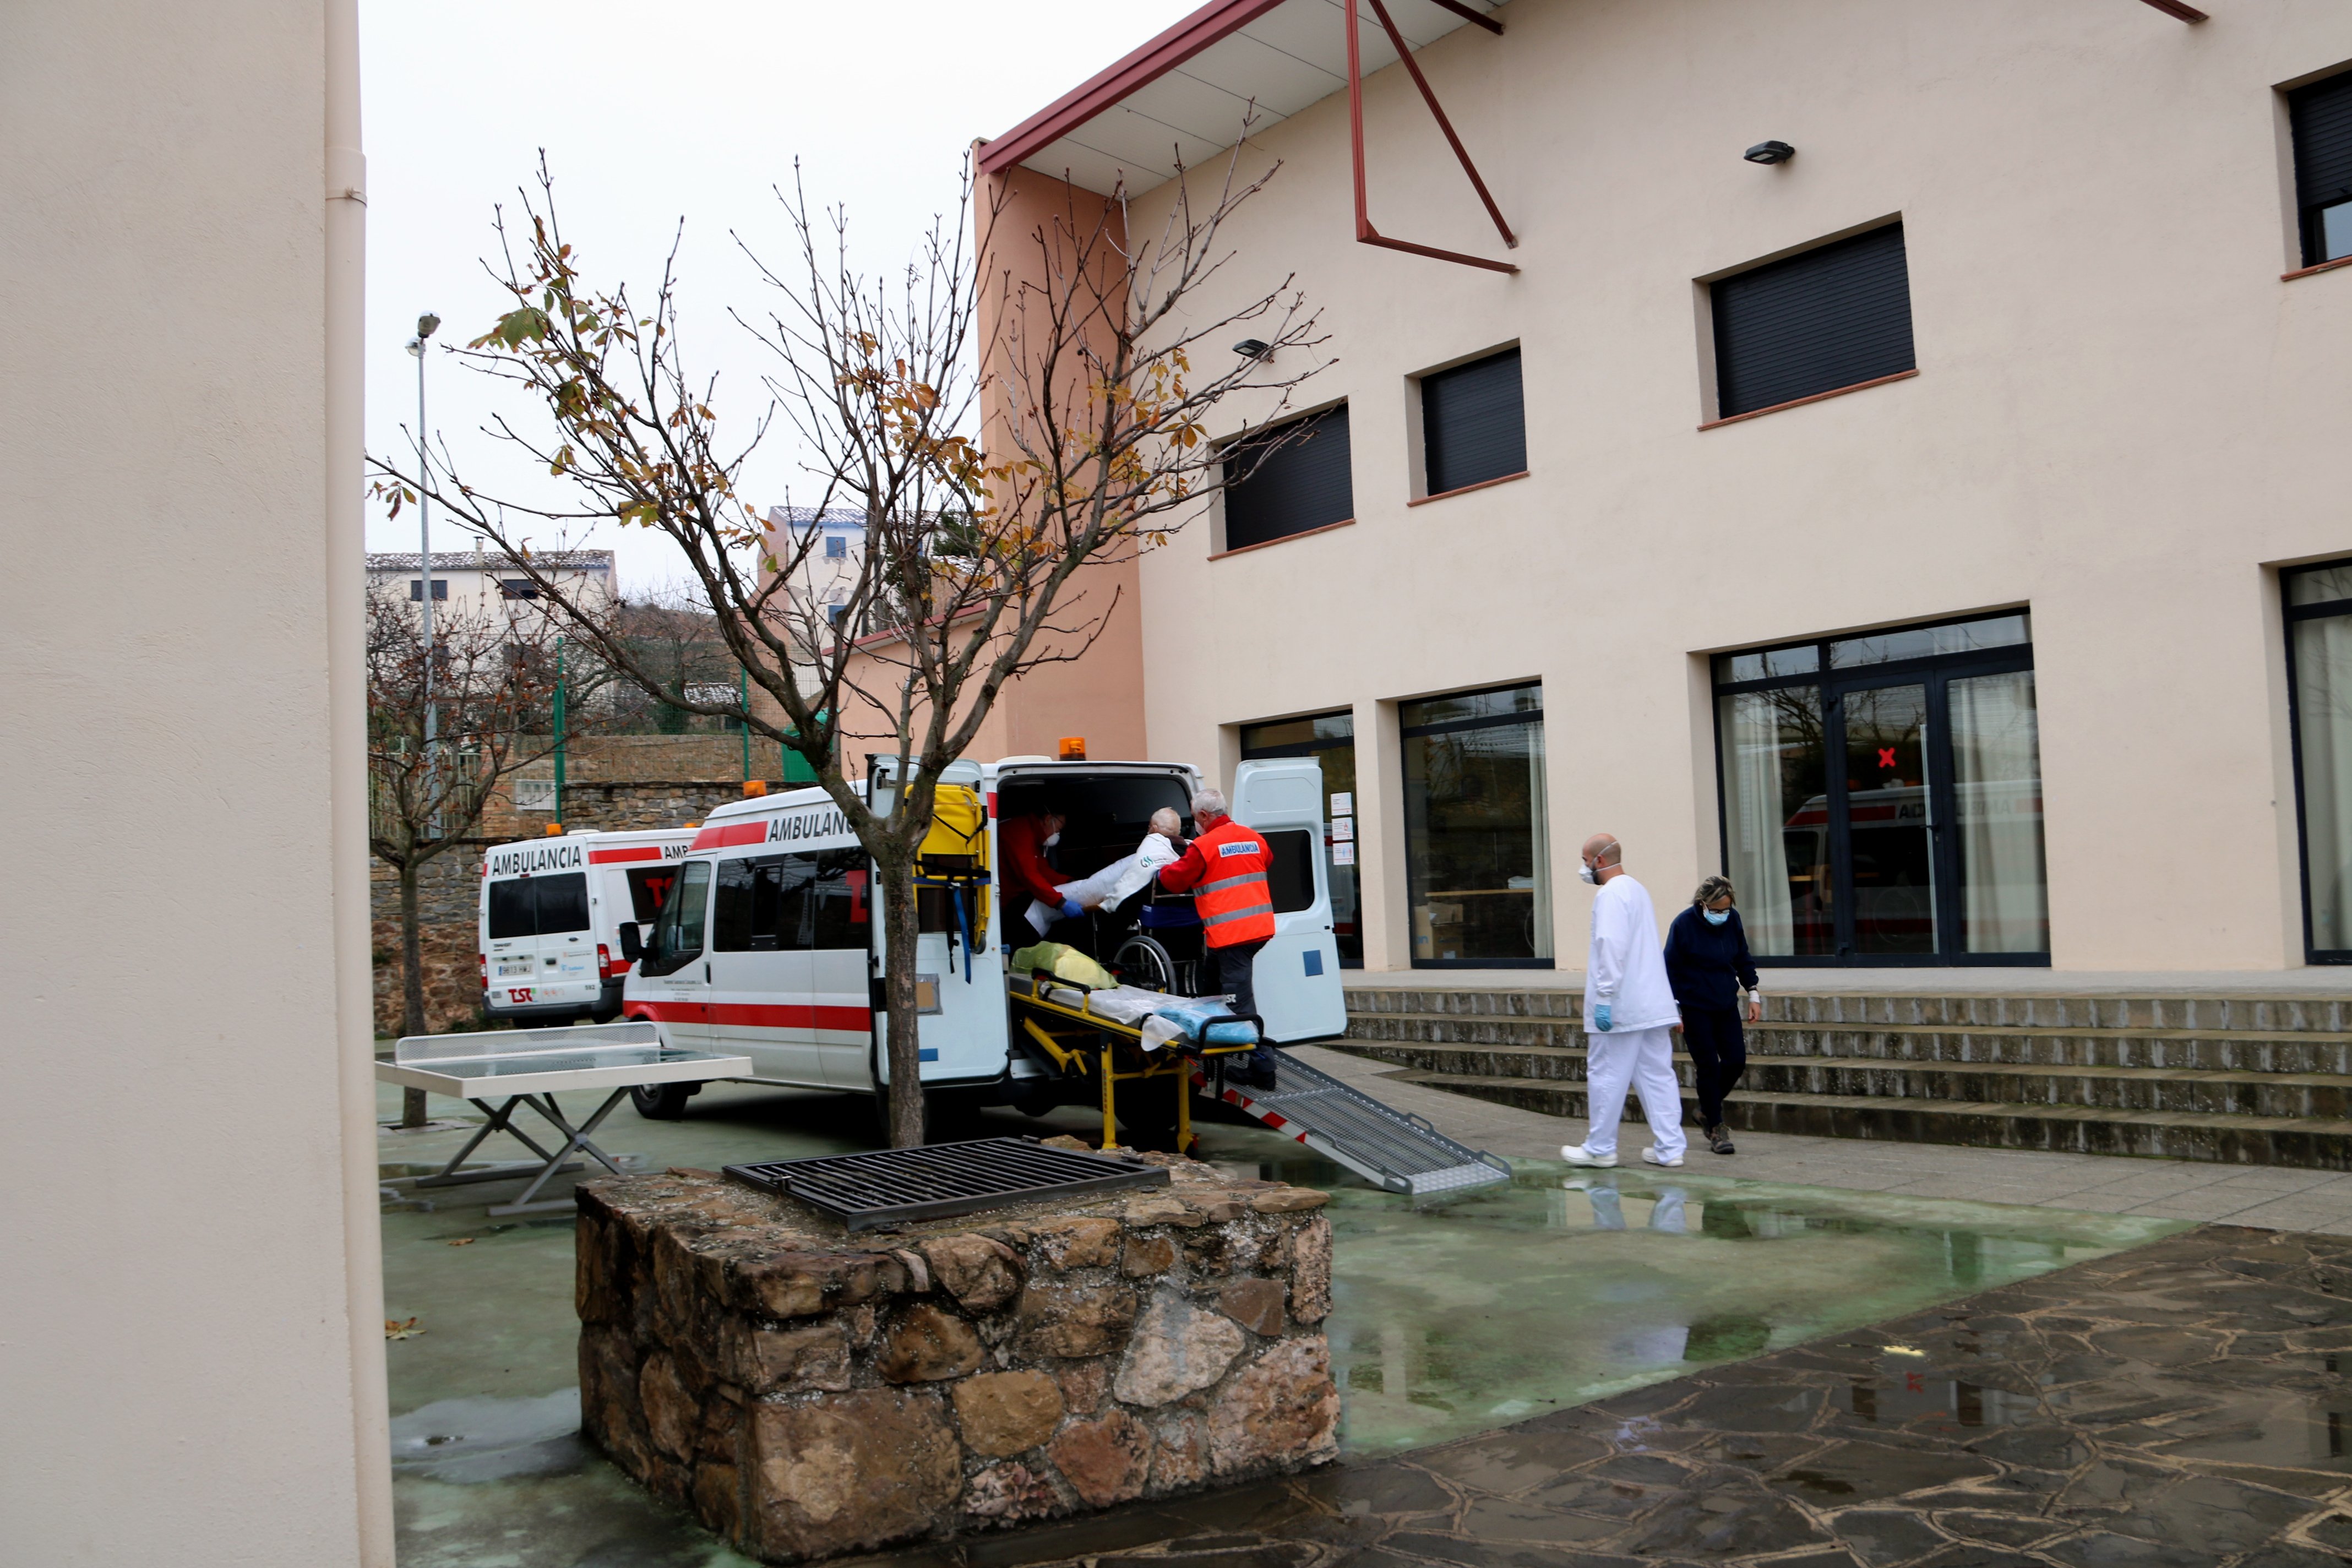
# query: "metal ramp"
{"type": "Point", "coordinates": [1380, 1144]}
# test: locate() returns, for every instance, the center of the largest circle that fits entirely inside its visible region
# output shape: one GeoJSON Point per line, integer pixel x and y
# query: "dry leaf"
{"type": "Point", "coordinates": [396, 1331]}
{"type": "Point", "coordinates": [463, 1241]}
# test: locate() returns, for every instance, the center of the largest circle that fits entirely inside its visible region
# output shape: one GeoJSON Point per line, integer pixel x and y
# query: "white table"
{"type": "Point", "coordinates": [531, 1066]}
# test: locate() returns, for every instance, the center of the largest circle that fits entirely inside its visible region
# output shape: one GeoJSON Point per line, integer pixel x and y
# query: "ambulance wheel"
{"type": "Point", "coordinates": [661, 1101]}
{"type": "Point", "coordinates": [1141, 961]}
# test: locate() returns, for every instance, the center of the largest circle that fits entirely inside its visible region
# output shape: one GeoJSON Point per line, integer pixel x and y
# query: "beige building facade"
{"type": "Point", "coordinates": [192, 1356]}
{"type": "Point", "coordinates": [2005, 631]}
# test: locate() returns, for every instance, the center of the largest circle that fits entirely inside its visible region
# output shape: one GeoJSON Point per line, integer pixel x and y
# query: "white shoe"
{"type": "Point", "coordinates": [1651, 1155]}
{"type": "Point", "coordinates": [1577, 1154]}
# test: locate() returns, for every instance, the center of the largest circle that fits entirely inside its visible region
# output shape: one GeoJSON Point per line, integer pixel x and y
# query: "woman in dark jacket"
{"type": "Point", "coordinates": [1708, 966]}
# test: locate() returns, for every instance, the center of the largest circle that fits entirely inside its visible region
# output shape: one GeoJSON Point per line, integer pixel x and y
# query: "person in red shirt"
{"type": "Point", "coordinates": [1225, 871]}
{"type": "Point", "coordinates": [1028, 876]}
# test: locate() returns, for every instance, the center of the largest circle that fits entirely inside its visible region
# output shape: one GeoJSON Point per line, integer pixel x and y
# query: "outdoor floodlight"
{"type": "Point", "coordinates": [426, 323]}
{"type": "Point", "coordinates": [1251, 348]}
{"type": "Point", "coordinates": [1769, 153]}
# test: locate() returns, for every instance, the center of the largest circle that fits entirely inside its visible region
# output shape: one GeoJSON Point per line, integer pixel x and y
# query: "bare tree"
{"type": "Point", "coordinates": [489, 681]}
{"type": "Point", "coordinates": [1072, 346]}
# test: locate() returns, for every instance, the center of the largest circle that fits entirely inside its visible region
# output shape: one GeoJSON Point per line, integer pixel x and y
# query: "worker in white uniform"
{"type": "Point", "coordinates": [1628, 1017]}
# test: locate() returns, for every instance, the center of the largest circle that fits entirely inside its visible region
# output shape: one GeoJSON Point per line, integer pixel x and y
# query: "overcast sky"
{"type": "Point", "coordinates": [648, 113]}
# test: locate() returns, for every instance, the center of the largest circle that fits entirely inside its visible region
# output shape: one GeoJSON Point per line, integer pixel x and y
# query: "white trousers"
{"type": "Point", "coordinates": [1645, 1059]}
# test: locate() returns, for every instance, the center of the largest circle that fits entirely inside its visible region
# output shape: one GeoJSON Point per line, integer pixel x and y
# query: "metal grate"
{"type": "Point", "coordinates": [942, 1179]}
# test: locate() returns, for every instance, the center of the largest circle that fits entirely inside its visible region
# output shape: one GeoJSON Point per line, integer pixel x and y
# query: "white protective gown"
{"type": "Point", "coordinates": [1627, 970]}
{"type": "Point", "coordinates": [1114, 884]}
{"type": "Point", "coordinates": [1628, 966]}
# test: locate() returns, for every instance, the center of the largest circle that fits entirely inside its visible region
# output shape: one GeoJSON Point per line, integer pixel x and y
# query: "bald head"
{"type": "Point", "coordinates": [1605, 856]}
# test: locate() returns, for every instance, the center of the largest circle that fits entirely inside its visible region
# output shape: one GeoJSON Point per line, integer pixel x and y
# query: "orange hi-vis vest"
{"type": "Point", "coordinates": [1235, 901]}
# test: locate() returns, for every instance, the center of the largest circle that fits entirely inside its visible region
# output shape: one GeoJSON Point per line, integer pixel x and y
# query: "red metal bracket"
{"type": "Point", "coordinates": [1365, 233]}
{"type": "Point", "coordinates": [2170, 8]}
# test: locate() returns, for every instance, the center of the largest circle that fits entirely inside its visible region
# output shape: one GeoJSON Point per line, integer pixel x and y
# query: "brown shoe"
{"type": "Point", "coordinates": [1719, 1140]}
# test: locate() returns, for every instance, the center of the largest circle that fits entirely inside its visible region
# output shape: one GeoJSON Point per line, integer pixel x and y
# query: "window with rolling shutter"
{"type": "Point", "coordinates": [1288, 478]}
{"type": "Point", "coordinates": [2320, 116]}
{"type": "Point", "coordinates": [1830, 317]}
{"type": "Point", "coordinates": [1474, 424]}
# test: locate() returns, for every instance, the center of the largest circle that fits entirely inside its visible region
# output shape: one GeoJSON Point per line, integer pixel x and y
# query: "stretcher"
{"type": "Point", "coordinates": [1083, 1042]}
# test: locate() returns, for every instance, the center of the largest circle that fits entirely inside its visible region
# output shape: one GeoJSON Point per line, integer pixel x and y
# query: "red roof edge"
{"type": "Point", "coordinates": [1140, 69]}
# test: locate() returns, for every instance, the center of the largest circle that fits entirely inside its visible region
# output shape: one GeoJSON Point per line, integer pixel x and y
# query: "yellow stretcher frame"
{"type": "Point", "coordinates": [1174, 1064]}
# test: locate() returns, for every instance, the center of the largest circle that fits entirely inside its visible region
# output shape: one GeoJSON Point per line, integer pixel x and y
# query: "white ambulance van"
{"type": "Point", "coordinates": [552, 910]}
{"type": "Point", "coordinates": [769, 946]}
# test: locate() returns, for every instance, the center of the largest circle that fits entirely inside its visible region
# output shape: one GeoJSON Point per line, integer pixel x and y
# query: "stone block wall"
{"type": "Point", "coordinates": [808, 1393]}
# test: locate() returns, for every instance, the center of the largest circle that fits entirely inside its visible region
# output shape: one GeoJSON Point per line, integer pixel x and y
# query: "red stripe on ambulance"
{"type": "Point", "coordinates": [730, 833]}
{"type": "Point", "coordinates": [610, 857]}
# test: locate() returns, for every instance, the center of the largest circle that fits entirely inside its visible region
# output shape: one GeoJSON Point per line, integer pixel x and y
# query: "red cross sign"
{"type": "Point", "coordinates": [1885, 756]}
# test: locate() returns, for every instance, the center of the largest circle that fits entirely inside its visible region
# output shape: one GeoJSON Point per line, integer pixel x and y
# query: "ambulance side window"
{"type": "Point", "coordinates": [562, 903]}
{"type": "Point", "coordinates": [648, 886]}
{"type": "Point", "coordinates": [1291, 876]}
{"type": "Point", "coordinates": [794, 873]}
{"type": "Point", "coordinates": [840, 914]}
{"type": "Point", "coordinates": [511, 910]}
{"type": "Point", "coordinates": [732, 928]}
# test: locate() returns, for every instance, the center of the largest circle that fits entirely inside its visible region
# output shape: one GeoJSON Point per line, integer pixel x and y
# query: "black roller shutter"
{"type": "Point", "coordinates": [1287, 479]}
{"type": "Point", "coordinates": [1474, 422]}
{"type": "Point", "coordinates": [1830, 317]}
{"type": "Point", "coordinates": [2321, 117]}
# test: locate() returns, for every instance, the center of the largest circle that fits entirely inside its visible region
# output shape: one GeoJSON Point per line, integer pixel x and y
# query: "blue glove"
{"type": "Point", "coordinates": [1600, 1017]}
{"type": "Point", "coordinates": [1070, 909]}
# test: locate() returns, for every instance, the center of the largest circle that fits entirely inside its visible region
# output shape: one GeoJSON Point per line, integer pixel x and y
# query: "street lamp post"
{"type": "Point", "coordinates": [424, 327]}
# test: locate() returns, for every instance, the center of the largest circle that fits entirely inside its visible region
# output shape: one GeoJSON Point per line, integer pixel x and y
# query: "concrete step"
{"type": "Point", "coordinates": [2248, 1052]}
{"type": "Point", "coordinates": [2301, 1143]}
{"type": "Point", "coordinates": [1785, 1001]}
{"type": "Point", "coordinates": [2186, 1091]}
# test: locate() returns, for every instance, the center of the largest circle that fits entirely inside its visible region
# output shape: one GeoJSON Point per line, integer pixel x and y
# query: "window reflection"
{"type": "Point", "coordinates": [1477, 855]}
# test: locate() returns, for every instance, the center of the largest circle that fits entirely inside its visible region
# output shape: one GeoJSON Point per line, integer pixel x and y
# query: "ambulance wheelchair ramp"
{"type": "Point", "coordinates": [1380, 1144]}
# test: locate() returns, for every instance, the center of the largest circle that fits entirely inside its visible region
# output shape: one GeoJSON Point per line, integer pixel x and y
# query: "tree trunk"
{"type": "Point", "coordinates": [412, 987]}
{"type": "Point", "coordinates": [899, 929]}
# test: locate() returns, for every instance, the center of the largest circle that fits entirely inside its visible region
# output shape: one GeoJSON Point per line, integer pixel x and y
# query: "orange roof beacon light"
{"type": "Point", "coordinates": [555, 830]}
{"type": "Point", "coordinates": [1074, 748]}
{"type": "Point", "coordinates": [753, 788]}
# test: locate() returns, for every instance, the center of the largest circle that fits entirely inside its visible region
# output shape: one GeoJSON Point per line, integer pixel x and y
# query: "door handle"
{"type": "Point", "coordinates": [706, 972]}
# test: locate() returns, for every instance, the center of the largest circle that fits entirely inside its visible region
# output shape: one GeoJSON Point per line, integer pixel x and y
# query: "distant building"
{"type": "Point", "coordinates": [827, 572]}
{"type": "Point", "coordinates": [476, 580]}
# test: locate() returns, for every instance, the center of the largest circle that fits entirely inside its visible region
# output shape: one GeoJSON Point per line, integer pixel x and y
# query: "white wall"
{"type": "Point", "coordinates": [2123, 420]}
{"type": "Point", "coordinates": [186, 1298]}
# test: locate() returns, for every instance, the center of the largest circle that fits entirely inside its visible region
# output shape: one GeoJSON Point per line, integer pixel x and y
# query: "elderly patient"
{"type": "Point", "coordinates": [1118, 882]}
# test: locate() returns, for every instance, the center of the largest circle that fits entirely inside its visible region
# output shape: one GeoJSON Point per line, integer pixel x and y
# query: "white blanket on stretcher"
{"type": "Point", "coordinates": [1113, 885]}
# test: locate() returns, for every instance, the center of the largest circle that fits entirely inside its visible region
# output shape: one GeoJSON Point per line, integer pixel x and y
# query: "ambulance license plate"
{"type": "Point", "coordinates": [522, 968]}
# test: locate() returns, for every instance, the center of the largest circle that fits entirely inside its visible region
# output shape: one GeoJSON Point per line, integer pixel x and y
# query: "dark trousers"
{"type": "Point", "coordinates": [1238, 979]}
{"type": "Point", "coordinates": [1719, 1051]}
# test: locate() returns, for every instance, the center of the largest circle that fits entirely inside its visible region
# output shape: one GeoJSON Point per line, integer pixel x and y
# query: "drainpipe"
{"type": "Point", "coordinates": [354, 1034]}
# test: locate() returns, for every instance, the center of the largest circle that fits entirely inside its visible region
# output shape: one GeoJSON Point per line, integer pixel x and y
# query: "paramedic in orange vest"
{"type": "Point", "coordinates": [1225, 870]}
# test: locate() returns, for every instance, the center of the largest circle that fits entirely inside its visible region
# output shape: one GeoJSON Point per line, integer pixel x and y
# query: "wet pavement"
{"type": "Point", "coordinates": [1508, 1310]}
{"type": "Point", "coordinates": [2180, 1404]}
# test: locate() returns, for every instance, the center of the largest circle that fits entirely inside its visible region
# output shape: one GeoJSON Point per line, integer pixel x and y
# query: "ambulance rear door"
{"type": "Point", "coordinates": [1297, 972]}
{"type": "Point", "coordinates": [539, 949]}
{"type": "Point", "coordinates": [962, 1028]}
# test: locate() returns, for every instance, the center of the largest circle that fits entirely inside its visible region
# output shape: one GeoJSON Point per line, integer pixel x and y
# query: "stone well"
{"type": "Point", "coordinates": [806, 1391]}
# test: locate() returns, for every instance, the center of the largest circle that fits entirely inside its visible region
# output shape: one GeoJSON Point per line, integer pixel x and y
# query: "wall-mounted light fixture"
{"type": "Point", "coordinates": [1769, 153]}
{"type": "Point", "coordinates": [1253, 348]}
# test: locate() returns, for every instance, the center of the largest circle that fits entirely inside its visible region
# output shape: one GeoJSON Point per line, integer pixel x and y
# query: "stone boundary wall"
{"type": "Point", "coordinates": [807, 1392]}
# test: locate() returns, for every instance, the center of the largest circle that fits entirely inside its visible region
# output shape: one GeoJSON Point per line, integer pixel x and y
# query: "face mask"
{"type": "Point", "coordinates": [1584, 874]}
{"type": "Point", "coordinates": [1052, 839]}
{"type": "Point", "coordinates": [1716, 917]}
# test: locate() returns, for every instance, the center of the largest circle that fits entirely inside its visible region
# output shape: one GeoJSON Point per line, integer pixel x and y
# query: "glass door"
{"type": "Point", "coordinates": [1882, 797]}
{"type": "Point", "coordinates": [1890, 842]}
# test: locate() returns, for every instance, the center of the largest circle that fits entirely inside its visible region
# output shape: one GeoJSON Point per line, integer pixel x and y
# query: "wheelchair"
{"type": "Point", "coordinates": [1161, 944]}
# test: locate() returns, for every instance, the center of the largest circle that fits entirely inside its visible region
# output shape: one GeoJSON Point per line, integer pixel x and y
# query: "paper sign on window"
{"type": "Point", "coordinates": [1343, 804]}
{"type": "Point", "coordinates": [1343, 853]}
